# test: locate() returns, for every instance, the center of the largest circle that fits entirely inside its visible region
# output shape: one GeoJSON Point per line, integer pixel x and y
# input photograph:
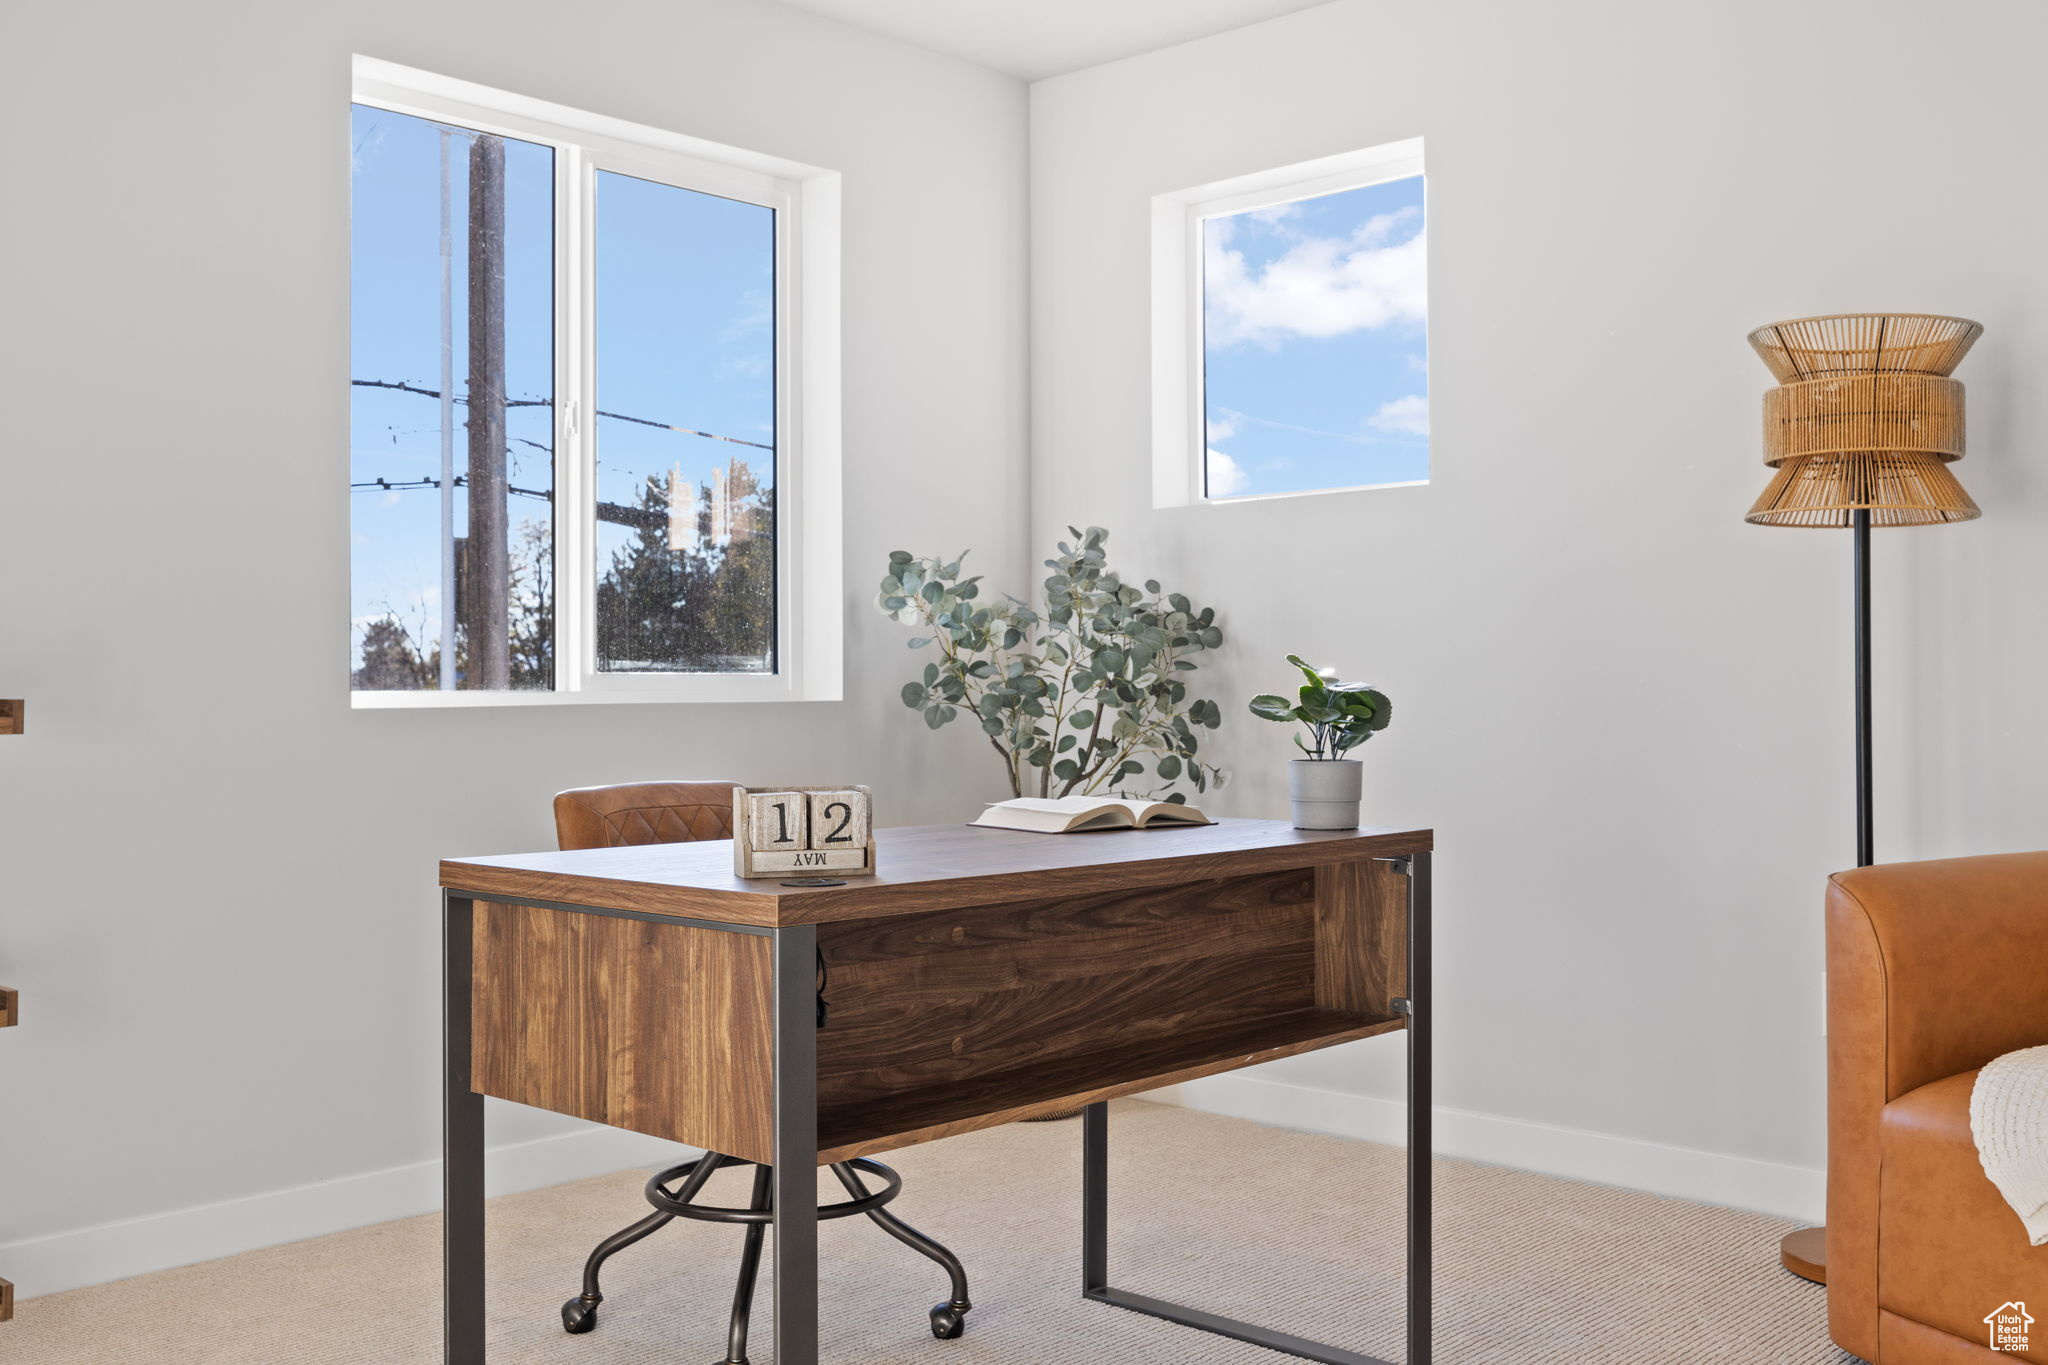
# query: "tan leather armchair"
{"type": "Point", "coordinates": [1934, 969]}
{"type": "Point", "coordinates": [643, 813]}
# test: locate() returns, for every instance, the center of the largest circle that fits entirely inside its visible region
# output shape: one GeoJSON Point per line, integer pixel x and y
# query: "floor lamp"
{"type": "Point", "coordinates": [1861, 430]}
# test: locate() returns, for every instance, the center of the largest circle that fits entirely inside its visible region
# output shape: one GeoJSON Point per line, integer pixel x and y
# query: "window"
{"type": "Point", "coordinates": [593, 408]}
{"type": "Point", "coordinates": [1291, 331]}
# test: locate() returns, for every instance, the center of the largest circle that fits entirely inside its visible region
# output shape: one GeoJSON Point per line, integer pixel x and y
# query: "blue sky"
{"type": "Point", "coordinates": [395, 336]}
{"type": "Point", "coordinates": [685, 288]}
{"type": "Point", "coordinates": [685, 335]}
{"type": "Point", "coordinates": [1315, 349]}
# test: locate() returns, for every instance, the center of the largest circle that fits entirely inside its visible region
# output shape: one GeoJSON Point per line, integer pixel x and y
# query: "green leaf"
{"type": "Point", "coordinates": [1270, 707]}
{"type": "Point", "coordinates": [935, 716]}
{"type": "Point", "coordinates": [913, 695]}
{"type": "Point", "coordinates": [1315, 711]}
{"type": "Point", "coordinates": [1315, 678]}
{"type": "Point", "coordinates": [920, 641]}
{"type": "Point", "coordinates": [1169, 768]}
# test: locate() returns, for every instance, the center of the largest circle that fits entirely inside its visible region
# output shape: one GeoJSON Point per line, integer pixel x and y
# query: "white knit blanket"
{"type": "Point", "coordinates": [2009, 1119]}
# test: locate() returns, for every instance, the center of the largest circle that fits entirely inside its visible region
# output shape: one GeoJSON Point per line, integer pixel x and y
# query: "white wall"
{"type": "Point", "coordinates": [216, 881]}
{"type": "Point", "coordinates": [1624, 710]}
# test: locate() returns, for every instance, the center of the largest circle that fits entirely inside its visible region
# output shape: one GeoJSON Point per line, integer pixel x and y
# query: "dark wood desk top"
{"type": "Point", "coordinates": [928, 867]}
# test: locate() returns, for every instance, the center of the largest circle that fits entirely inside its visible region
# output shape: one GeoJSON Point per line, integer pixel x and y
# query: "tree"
{"type": "Point", "coordinates": [707, 608]}
{"type": "Point", "coordinates": [531, 637]}
{"type": "Point", "coordinates": [392, 659]}
{"type": "Point", "coordinates": [391, 662]}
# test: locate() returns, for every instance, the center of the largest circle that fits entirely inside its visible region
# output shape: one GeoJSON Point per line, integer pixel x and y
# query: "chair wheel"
{"type": "Point", "coordinates": [578, 1317]}
{"type": "Point", "coordinates": [948, 1322]}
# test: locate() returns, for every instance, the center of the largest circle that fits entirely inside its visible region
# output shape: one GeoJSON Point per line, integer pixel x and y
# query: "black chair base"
{"type": "Point", "coordinates": [948, 1319]}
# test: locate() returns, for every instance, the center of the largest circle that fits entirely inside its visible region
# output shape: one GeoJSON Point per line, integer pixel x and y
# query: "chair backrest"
{"type": "Point", "coordinates": [643, 813]}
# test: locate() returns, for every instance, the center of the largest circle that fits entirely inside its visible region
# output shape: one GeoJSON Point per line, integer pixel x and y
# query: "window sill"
{"type": "Point", "coordinates": [687, 690]}
{"type": "Point", "coordinates": [1234, 499]}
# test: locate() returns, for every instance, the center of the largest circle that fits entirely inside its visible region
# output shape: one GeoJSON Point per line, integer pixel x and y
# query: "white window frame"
{"type": "Point", "coordinates": [1179, 398]}
{"type": "Point", "coordinates": [809, 647]}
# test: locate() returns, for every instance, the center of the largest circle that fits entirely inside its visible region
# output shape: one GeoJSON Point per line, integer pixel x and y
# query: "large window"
{"type": "Point", "coordinates": [578, 441]}
{"type": "Point", "coordinates": [1291, 341]}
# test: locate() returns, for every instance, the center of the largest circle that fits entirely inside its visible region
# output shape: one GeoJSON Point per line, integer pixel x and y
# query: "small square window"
{"type": "Point", "coordinates": [1292, 331]}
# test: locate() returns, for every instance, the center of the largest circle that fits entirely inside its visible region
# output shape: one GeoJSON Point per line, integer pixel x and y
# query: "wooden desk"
{"type": "Point", "coordinates": [983, 976]}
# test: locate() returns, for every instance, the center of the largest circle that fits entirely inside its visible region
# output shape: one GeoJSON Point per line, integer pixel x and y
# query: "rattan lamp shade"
{"type": "Point", "coordinates": [1865, 417]}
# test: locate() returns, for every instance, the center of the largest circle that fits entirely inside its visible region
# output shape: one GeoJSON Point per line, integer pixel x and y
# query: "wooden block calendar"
{"type": "Point", "coordinates": [798, 831]}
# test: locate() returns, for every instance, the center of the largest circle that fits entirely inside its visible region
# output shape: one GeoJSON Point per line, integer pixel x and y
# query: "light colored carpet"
{"type": "Point", "coordinates": [1299, 1231]}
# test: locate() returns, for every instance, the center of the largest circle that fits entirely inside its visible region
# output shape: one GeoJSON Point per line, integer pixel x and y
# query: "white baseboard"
{"type": "Point", "coordinates": [1597, 1158]}
{"type": "Point", "coordinates": [115, 1251]}
{"type": "Point", "coordinates": [136, 1246]}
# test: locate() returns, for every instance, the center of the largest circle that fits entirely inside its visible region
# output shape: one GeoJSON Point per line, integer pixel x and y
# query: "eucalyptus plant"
{"type": "Point", "coordinates": [1340, 716]}
{"type": "Point", "coordinates": [1088, 696]}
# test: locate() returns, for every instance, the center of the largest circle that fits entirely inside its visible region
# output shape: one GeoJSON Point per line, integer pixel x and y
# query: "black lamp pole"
{"type": "Point", "coordinates": [1866, 837]}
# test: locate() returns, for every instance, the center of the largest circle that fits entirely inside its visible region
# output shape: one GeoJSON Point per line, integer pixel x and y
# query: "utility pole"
{"type": "Point", "coordinates": [447, 418]}
{"type": "Point", "coordinates": [490, 664]}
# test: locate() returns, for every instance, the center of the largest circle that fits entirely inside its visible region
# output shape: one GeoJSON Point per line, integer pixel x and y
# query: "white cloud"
{"type": "Point", "coordinates": [1222, 424]}
{"type": "Point", "coordinates": [1410, 415]}
{"type": "Point", "coordinates": [1226, 476]}
{"type": "Point", "coordinates": [1321, 286]}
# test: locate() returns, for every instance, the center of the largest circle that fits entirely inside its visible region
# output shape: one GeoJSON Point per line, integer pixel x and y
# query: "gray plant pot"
{"type": "Point", "coordinates": [1325, 792]}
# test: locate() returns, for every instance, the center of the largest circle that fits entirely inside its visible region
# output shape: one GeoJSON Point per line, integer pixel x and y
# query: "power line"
{"type": "Point", "coordinates": [461, 481]}
{"type": "Point", "coordinates": [618, 514]}
{"type": "Point", "coordinates": [401, 387]}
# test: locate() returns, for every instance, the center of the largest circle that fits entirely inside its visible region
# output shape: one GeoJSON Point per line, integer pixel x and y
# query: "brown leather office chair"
{"type": "Point", "coordinates": [1934, 969]}
{"type": "Point", "coordinates": [673, 813]}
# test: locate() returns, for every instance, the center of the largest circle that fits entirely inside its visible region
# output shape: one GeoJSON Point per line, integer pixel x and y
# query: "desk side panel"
{"type": "Point", "coordinates": [663, 1029]}
{"type": "Point", "coordinates": [1361, 936]}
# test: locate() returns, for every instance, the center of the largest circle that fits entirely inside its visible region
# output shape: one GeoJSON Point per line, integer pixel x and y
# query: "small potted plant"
{"type": "Point", "coordinates": [1340, 716]}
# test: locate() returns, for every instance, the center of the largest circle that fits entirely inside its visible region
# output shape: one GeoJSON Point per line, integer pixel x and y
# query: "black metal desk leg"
{"type": "Point", "coordinates": [462, 1146]}
{"type": "Point", "coordinates": [1420, 1098]}
{"type": "Point", "coordinates": [796, 1145]}
{"type": "Point", "coordinates": [1095, 1199]}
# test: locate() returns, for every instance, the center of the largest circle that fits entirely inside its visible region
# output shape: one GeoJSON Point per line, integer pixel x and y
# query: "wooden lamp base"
{"type": "Point", "coordinates": [1805, 1254]}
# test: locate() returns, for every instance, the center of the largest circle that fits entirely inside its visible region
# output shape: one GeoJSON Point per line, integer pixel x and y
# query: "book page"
{"type": "Point", "coordinates": [1145, 813]}
{"type": "Point", "coordinates": [1055, 815]}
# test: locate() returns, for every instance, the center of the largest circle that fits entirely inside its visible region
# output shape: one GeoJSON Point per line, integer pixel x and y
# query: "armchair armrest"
{"type": "Point", "coordinates": [1934, 968]}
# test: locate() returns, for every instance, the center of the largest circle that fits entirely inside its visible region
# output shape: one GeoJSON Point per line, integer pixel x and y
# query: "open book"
{"type": "Point", "coordinates": [1070, 814]}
